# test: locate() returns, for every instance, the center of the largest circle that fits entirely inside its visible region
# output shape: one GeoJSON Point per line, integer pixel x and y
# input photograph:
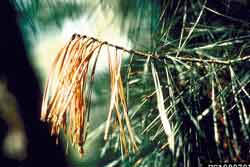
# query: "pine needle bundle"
{"type": "Point", "coordinates": [67, 95]}
{"type": "Point", "coordinates": [117, 96]}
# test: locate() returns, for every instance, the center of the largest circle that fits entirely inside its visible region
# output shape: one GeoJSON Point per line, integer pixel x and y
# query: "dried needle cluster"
{"type": "Point", "coordinates": [67, 94]}
{"type": "Point", "coordinates": [117, 95]}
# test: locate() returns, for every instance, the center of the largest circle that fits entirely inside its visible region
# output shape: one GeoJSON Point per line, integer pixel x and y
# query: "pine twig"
{"type": "Point", "coordinates": [185, 59]}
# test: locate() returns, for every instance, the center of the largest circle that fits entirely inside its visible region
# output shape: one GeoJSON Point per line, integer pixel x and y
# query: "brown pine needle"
{"type": "Point", "coordinates": [67, 94]}
{"type": "Point", "coordinates": [117, 96]}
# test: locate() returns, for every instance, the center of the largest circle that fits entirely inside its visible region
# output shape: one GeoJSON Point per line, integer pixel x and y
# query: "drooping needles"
{"type": "Point", "coordinates": [67, 95]}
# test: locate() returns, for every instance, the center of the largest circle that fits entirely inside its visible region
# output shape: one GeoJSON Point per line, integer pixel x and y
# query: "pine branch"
{"type": "Point", "coordinates": [185, 59]}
